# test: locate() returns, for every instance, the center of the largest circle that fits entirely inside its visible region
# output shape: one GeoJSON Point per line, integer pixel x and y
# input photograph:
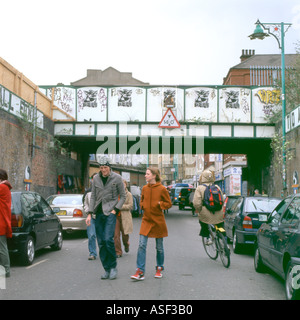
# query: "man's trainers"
{"type": "Point", "coordinates": [139, 275]}
{"type": "Point", "coordinates": [113, 274]}
{"type": "Point", "coordinates": [158, 273]}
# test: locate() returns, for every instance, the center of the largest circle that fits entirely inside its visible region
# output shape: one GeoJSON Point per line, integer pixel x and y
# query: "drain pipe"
{"type": "Point", "coordinates": [34, 124]}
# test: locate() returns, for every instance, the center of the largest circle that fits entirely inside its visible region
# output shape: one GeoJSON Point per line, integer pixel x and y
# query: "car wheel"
{"type": "Point", "coordinates": [181, 207]}
{"type": "Point", "coordinates": [28, 252]}
{"type": "Point", "coordinates": [258, 264]}
{"type": "Point", "coordinates": [235, 244]}
{"type": "Point", "coordinates": [292, 287]}
{"type": "Point", "coordinates": [58, 241]}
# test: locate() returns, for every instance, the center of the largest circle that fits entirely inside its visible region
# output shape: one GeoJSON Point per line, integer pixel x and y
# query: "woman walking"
{"type": "Point", "coordinates": [154, 199]}
{"type": "Point", "coordinates": [124, 224]}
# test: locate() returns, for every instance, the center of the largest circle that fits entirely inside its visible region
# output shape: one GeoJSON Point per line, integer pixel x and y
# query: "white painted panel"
{"type": "Point", "coordinates": [243, 131]}
{"type": "Point", "coordinates": [160, 98]}
{"type": "Point", "coordinates": [198, 131]}
{"type": "Point", "coordinates": [151, 130]}
{"type": "Point", "coordinates": [63, 129]}
{"type": "Point", "coordinates": [126, 104]}
{"type": "Point", "coordinates": [201, 104]}
{"type": "Point", "coordinates": [176, 132]}
{"type": "Point", "coordinates": [64, 98]}
{"type": "Point", "coordinates": [221, 131]}
{"type": "Point", "coordinates": [107, 129]}
{"type": "Point", "coordinates": [128, 129]}
{"type": "Point", "coordinates": [265, 132]}
{"type": "Point", "coordinates": [58, 115]}
{"type": "Point", "coordinates": [234, 105]}
{"type": "Point", "coordinates": [265, 101]}
{"type": "Point", "coordinates": [86, 129]}
{"type": "Point", "coordinates": [91, 104]}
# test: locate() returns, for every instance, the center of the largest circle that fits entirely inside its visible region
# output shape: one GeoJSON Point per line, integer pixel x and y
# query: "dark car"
{"type": "Point", "coordinates": [176, 190]}
{"type": "Point", "coordinates": [34, 226]}
{"type": "Point", "coordinates": [185, 198]}
{"type": "Point", "coordinates": [278, 245]}
{"type": "Point", "coordinates": [245, 217]}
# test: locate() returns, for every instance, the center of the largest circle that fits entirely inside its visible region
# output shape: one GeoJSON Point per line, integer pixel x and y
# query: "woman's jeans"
{"type": "Point", "coordinates": [105, 230]}
{"type": "Point", "coordinates": [141, 256]}
{"type": "Point", "coordinates": [91, 233]}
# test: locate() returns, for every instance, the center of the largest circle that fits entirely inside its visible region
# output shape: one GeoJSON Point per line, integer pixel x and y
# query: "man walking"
{"type": "Point", "coordinates": [107, 198]}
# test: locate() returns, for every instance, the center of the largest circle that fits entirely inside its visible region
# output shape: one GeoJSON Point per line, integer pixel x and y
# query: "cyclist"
{"type": "Point", "coordinates": [206, 217]}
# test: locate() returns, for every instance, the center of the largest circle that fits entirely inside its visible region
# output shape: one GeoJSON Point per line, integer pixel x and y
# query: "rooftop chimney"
{"type": "Point", "coordinates": [246, 54]}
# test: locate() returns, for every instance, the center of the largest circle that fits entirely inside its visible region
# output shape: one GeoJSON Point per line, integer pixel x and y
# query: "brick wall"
{"type": "Point", "coordinates": [16, 155]}
{"type": "Point", "coordinates": [292, 165]}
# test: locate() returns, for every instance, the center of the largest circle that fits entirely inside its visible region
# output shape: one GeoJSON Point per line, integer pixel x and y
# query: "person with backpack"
{"type": "Point", "coordinates": [208, 202]}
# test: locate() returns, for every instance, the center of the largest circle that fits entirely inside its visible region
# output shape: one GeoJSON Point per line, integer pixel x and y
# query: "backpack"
{"type": "Point", "coordinates": [213, 200]}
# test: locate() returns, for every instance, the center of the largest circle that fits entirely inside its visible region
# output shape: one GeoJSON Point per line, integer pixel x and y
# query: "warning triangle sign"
{"type": "Point", "coordinates": [169, 120]}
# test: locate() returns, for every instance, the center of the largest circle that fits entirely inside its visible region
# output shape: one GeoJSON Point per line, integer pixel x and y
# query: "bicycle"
{"type": "Point", "coordinates": [216, 245]}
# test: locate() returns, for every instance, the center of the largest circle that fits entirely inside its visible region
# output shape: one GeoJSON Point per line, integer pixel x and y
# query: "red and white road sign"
{"type": "Point", "coordinates": [169, 120]}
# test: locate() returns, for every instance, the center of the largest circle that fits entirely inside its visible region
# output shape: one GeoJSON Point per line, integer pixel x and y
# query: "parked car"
{"type": "Point", "coordinates": [34, 226]}
{"type": "Point", "coordinates": [184, 198]}
{"type": "Point", "coordinates": [229, 201]}
{"type": "Point", "coordinates": [245, 217]}
{"type": "Point", "coordinates": [69, 209]}
{"type": "Point", "coordinates": [278, 245]}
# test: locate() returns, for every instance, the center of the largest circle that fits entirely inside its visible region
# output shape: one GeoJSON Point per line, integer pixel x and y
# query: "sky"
{"type": "Point", "coordinates": [162, 42]}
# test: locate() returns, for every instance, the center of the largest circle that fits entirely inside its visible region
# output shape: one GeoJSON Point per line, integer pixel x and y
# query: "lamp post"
{"type": "Point", "coordinates": [277, 30]}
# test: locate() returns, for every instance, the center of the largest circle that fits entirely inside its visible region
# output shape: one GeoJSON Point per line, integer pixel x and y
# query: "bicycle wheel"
{"type": "Point", "coordinates": [224, 250]}
{"type": "Point", "coordinates": [210, 249]}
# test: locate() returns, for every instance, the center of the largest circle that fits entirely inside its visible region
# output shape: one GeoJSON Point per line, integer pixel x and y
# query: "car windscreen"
{"type": "Point", "coordinates": [261, 205]}
{"type": "Point", "coordinates": [66, 200]}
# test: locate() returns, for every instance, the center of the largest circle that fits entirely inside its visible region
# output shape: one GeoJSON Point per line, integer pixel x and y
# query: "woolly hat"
{"type": "Point", "coordinates": [104, 161]}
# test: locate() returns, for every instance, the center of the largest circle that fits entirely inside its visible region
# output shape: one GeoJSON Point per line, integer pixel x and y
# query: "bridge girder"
{"type": "Point", "coordinates": [167, 145]}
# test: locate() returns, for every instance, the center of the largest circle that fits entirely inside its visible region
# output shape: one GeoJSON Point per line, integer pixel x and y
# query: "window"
{"type": "Point", "coordinates": [44, 207]}
{"type": "Point", "coordinates": [67, 200]}
{"type": "Point", "coordinates": [292, 214]}
{"type": "Point", "coordinates": [261, 205]}
{"type": "Point", "coordinates": [279, 210]}
{"type": "Point", "coordinates": [30, 204]}
{"type": "Point", "coordinates": [237, 205]}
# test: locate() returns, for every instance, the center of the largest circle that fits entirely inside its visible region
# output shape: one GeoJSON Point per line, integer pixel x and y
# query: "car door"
{"type": "Point", "coordinates": [36, 217]}
{"type": "Point", "coordinates": [231, 216]}
{"type": "Point", "coordinates": [51, 223]}
{"type": "Point", "coordinates": [267, 231]}
{"type": "Point", "coordinates": [287, 228]}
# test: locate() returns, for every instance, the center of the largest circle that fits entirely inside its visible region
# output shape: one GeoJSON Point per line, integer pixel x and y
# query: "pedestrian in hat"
{"type": "Point", "coordinates": [107, 198]}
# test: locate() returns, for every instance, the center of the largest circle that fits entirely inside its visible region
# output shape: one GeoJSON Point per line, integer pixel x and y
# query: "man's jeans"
{"type": "Point", "coordinates": [141, 256]}
{"type": "Point", "coordinates": [91, 232]}
{"type": "Point", "coordinates": [105, 230]}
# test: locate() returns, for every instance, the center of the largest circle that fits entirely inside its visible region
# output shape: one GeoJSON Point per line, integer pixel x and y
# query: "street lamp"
{"type": "Point", "coordinates": [277, 30]}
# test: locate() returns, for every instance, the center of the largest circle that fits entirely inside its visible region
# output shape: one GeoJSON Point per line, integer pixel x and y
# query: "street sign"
{"type": "Point", "coordinates": [169, 120]}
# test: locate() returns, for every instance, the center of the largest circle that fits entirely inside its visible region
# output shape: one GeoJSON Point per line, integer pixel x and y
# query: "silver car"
{"type": "Point", "coordinates": [69, 209]}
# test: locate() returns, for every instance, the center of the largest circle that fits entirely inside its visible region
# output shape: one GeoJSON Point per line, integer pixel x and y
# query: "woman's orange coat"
{"type": "Point", "coordinates": [154, 199]}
